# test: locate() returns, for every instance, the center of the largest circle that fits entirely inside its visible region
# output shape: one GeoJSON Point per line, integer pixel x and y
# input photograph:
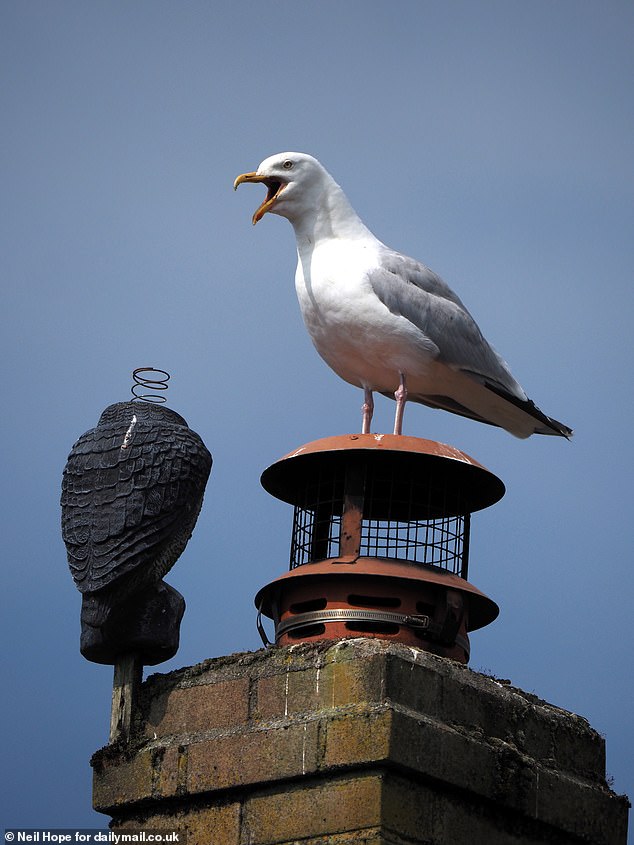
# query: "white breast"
{"type": "Point", "coordinates": [363, 342]}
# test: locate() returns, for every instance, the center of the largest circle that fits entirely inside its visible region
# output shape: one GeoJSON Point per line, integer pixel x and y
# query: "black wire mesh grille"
{"type": "Point", "coordinates": [437, 542]}
{"type": "Point", "coordinates": [404, 518]}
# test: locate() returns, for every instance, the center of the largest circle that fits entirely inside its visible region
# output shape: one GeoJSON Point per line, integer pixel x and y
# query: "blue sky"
{"type": "Point", "coordinates": [491, 140]}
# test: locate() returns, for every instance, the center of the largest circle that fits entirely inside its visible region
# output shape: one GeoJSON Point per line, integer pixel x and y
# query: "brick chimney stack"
{"type": "Point", "coordinates": [355, 741]}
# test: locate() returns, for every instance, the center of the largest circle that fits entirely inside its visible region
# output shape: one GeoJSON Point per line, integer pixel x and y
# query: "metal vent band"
{"type": "Point", "coordinates": [346, 615]}
{"type": "Point", "coordinates": [419, 622]}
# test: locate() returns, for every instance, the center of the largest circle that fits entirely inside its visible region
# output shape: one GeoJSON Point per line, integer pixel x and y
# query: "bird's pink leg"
{"type": "Point", "coordinates": [367, 409]}
{"type": "Point", "coordinates": [401, 398]}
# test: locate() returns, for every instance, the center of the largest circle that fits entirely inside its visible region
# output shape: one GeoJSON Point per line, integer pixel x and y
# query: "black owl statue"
{"type": "Point", "coordinates": [132, 490]}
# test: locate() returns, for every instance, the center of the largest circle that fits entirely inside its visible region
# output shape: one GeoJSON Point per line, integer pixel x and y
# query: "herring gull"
{"type": "Point", "coordinates": [382, 321]}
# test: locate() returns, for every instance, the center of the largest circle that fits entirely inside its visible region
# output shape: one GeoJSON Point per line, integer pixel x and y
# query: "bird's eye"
{"type": "Point", "coordinates": [287, 164]}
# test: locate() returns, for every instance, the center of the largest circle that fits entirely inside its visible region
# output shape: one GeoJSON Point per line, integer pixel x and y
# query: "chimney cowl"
{"type": "Point", "coordinates": [380, 543]}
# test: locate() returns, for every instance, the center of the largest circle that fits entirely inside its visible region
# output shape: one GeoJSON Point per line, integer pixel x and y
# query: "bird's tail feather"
{"type": "Point", "coordinates": [548, 425]}
{"type": "Point", "coordinates": [489, 404]}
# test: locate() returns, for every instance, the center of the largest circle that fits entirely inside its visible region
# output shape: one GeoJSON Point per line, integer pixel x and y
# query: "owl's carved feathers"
{"type": "Point", "coordinates": [131, 493]}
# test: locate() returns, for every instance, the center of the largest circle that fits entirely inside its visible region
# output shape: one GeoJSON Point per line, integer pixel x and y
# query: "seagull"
{"type": "Point", "coordinates": [382, 321]}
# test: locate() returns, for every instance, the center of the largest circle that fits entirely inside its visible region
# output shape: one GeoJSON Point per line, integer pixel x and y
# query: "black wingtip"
{"type": "Point", "coordinates": [549, 425]}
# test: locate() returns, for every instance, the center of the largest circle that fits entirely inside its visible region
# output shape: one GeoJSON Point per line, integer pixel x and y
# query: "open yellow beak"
{"type": "Point", "coordinates": [274, 189]}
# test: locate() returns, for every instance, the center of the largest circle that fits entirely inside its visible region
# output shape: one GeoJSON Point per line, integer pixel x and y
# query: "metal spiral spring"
{"type": "Point", "coordinates": [145, 382]}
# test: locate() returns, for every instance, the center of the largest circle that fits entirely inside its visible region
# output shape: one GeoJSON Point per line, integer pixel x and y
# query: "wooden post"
{"type": "Point", "coordinates": [128, 674]}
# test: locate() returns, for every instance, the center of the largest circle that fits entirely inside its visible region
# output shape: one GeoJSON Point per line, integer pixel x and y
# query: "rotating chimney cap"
{"type": "Point", "coordinates": [464, 485]}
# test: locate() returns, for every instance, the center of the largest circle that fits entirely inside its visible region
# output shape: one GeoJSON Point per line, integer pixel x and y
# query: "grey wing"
{"type": "Point", "coordinates": [121, 507]}
{"type": "Point", "coordinates": [413, 291]}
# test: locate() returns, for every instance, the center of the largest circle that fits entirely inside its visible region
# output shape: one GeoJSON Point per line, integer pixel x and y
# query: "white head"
{"type": "Point", "coordinates": [295, 182]}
